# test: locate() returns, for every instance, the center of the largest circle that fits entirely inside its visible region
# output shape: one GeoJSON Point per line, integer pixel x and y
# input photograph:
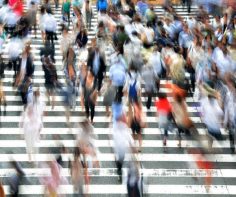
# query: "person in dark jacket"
{"type": "Point", "coordinates": [16, 179]}
{"type": "Point", "coordinates": [97, 65]}
{"type": "Point", "coordinates": [26, 68]}
{"type": "Point", "coordinates": [82, 38]}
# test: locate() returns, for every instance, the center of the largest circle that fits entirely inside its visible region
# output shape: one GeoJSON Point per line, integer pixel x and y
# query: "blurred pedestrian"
{"type": "Point", "coordinates": [50, 25]}
{"type": "Point", "coordinates": [16, 180]}
{"type": "Point", "coordinates": [89, 96]}
{"type": "Point", "coordinates": [31, 123]}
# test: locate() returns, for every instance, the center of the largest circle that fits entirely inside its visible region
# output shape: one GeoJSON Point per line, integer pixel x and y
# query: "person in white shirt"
{"type": "Point", "coordinates": [223, 61]}
{"type": "Point", "coordinates": [212, 115]}
{"type": "Point", "coordinates": [155, 60]}
{"type": "Point", "coordinates": [14, 49]}
{"type": "Point", "coordinates": [50, 25]}
{"type": "Point", "coordinates": [10, 21]}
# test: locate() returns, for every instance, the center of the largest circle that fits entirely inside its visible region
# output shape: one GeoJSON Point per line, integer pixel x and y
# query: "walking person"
{"type": "Point", "coordinates": [50, 75]}
{"type": "Point", "coordinates": [164, 110]}
{"type": "Point", "coordinates": [53, 181]}
{"type": "Point", "coordinates": [66, 11]}
{"type": "Point", "coordinates": [16, 180]}
{"type": "Point", "coordinates": [229, 112]}
{"type": "Point", "coordinates": [32, 18]}
{"type": "Point", "coordinates": [137, 123]}
{"type": "Point", "coordinates": [87, 11]}
{"type": "Point", "coordinates": [109, 96]}
{"type": "Point", "coordinates": [150, 79]}
{"type": "Point", "coordinates": [82, 39]}
{"type": "Point", "coordinates": [133, 178]}
{"type": "Point", "coordinates": [79, 173]}
{"type": "Point", "coordinates": [42, 17]}
{"type": "Point", "coordinates": [122, 142]}
{"type": "Point", "coordinates": [31, 123]}
{"type": "Point", "coordinates": [96, 64]}
{"type": "Point", "coordinates": [26, 66]}
{"type": "Point", "coordinates": [50, 26]}
{"type": "Point", "coordinates": [89, 96]}
{"type": "Point", "coordinates": [212, 115]}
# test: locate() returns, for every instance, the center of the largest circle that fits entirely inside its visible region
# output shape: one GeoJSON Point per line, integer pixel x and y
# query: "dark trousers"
{"type": "Point", "coordinates": [89, 109]}
{"type": "Point", "coordinates": [119, 93]}
{"type": "Point", "coordinates": [133, 191]}
{"type": "Point", "coordinates": [149, 99]}
{"type": "Point", "coordinates": [23, 97]}
{"type": "Point", "coordinates": [232, 138]}
{"type": "Point", "coordinates": [191, 71]}
{"type": "Point", "coordinates": [215, 134]}
{"type": "Point", "coordinates": [98, 80]}
{"type": "Point", "coordinates": [50, 36]}
{"type": "Point", "coordinates": [15, 64]}
{"type": "Point", "coordinates": [119, 164]}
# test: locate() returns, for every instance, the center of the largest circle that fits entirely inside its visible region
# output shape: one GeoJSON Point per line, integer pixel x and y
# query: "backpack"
{"type": "Point", "coordinates": [102, 5]}
{"type": "Point", "coordinates": [133, 95]}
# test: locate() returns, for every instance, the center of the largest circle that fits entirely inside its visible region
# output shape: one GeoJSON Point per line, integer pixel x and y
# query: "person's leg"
{"type": "Point", "coordinates": [120, 92]}
{"type": "Point", "coordinates": [52, 37]}
{"type": "Point", "coordinates": [86, 105]}
{"type": "Point", "coordinates": [119, 164]}
{"type": "Point", "coordinates": [68, 17]}
{"type": "Point", "coordinates": [48, 95]}
{"type": "Point", "coordinates": [149, 100]}
{"type": "Point", "coordinates": [107, 111]}
{"type": "Point", "coordinates": [231, 139]}
{"type": "Point", "coordinates": [192, 78]}
{"type": "Point", "coordinates": [47, 36]}
{"type": "Point", "coordinates": [100, 79]}
{"type": "Point", "coordinates": [15, 66]}
{"type": "Point", "coordinates": [67, 113]}
{"type": "Point", "coordinates": [92, 108]}
{"type": "Point", "coordinates": [210, 139]}
{"type": "Point", "coordinates": [165, 136]}
{"type": "Point", "coordinates": [189, 2]}
{"type": "Point", "coordinates": [180, 130]}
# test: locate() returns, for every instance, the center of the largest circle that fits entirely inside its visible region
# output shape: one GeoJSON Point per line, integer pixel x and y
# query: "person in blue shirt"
{"type": "Point", "coordinates": [117, 75]}
{"type": "Point", "coordinates": [185, 39]}
{"type": "Point", "coordinates": [142, 7]}
{"type": "Point", "coordinates": [102, 5]}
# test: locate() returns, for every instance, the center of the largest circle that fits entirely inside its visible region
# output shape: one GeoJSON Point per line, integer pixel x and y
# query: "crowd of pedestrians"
{"type": "Point", "coordinates": [195, 57]}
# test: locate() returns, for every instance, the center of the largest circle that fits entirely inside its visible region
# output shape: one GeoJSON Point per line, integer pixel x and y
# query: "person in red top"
{"type": "Point", "coordinates": [163, 113]}
{"type": "Point", "coordinates": [16, 6]}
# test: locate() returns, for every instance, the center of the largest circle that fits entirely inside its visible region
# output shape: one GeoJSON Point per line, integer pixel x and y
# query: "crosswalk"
{"type": "Point", "coordinates": [167, 174]}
